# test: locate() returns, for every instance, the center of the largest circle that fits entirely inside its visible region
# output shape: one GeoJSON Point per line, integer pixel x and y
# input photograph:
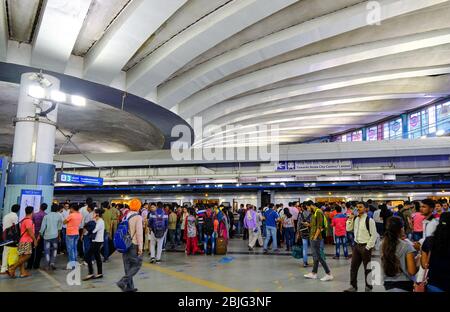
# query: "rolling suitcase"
{"type": "Point", "coordinates": [221, 246]}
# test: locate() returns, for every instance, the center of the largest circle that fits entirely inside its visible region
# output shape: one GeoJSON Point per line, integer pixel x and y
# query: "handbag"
{"type": "Point", "coordinates": [297, 251]}
{"type": "Point", "coordinates": [422, 286]}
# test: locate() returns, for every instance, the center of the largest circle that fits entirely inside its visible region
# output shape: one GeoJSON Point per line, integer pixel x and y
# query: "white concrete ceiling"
{"type": "Point", "coordinates": [290, 63]}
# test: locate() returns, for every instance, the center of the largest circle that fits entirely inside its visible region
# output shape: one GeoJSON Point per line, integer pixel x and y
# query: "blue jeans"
{"type": "Point", "coordinates": [50, 249]}
{"type": "Point", "coordinates": [209, 238]}
{"type": "Point", "coordinates": [71, 243]}
{"type": "Point", "coordinates": [178, 235]}
{"type": "Point", "coordinates": [431, 288]}
{"type": "Point", "coordinates": [86, 246]}
{"type": "Point", "coordinates": [289, 237]}
{"type": "Point", "coordinates": [305, 243]}
{"type": "Point", "coordinates": [271, 232]}
{"type": "Point", "coordinates": [106, 246]}
{"type": "Point", "coordinates": [341, 240]}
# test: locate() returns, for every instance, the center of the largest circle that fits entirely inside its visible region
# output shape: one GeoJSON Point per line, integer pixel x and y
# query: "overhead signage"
{"type": "Point", "coordinates": [78, 179]}
{"type": "Point", "coordinates": [308, 165]}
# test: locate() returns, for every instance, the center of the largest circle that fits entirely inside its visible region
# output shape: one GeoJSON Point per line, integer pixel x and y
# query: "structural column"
{"type": "Point", "coordinates": [31, 172]}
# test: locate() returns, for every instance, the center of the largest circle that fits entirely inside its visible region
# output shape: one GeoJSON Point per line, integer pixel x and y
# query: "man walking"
{"type": "Point", "coordinates": [50, 231]}
{"type": "Point", "coordinates": [132, 259]}
{"type": "Point", "coordinates": [271, 217]}
{"type": "Point", "coordinates": [158, 224]}
{"type": "Point", "coordinates": [366, 235]}
{"type": "Point", "coordinates": [316, 237]}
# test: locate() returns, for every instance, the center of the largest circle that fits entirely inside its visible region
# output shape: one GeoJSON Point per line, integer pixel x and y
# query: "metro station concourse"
{"type": "Point", "coordinates": [201, 146]}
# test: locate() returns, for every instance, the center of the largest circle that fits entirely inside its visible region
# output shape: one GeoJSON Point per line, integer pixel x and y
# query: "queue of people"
{"type": "Point", "coordinates": [413, 238]}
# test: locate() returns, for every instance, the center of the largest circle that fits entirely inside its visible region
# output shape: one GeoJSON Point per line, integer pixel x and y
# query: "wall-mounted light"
{"type": "Point", "coordinates": [40, 93]}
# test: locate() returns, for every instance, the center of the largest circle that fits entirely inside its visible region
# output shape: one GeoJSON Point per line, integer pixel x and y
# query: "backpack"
{"type": "Point", "coordinates": [209, 225]}
{"type": "Point", "coordinates": [122, 238]}
{"type": "Point", "coordinates": [11, 236]}
{"type": "Point", "coordinates": [160, 226]}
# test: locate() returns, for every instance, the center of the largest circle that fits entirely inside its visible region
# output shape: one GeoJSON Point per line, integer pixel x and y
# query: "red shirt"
{"type": "Point", "coordinates": [339, 223]}
{"type": "Point", "coordinates": [27, 223]}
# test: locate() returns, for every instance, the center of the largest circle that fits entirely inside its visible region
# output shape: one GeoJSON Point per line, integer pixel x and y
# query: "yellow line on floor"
{"type": "Point", "coordinates": [53, 280]}
{"type": "Point", "coordinates": [190, 278]}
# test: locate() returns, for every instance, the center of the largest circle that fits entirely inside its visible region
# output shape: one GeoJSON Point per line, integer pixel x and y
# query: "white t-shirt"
{"type": "Point", "coordinates": [99, 231]}
{"type": "Point", "coordinates": [10, 219]}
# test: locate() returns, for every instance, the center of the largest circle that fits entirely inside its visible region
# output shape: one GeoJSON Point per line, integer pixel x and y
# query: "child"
{"type": "Point", "coordinates": [190, 233]}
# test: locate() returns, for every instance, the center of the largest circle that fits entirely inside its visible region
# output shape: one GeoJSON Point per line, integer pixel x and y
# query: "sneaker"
{"type": "Point", "coordinates": [327, 278]}
{"type": "Point", "coordinates": [311, 276]}
{"type": "Point", "coordinates": [152, 260]}
{"type": "Point", "coordinates": [158, 261]}
{"type": "Point", "coordinates": [351, 289]}
{"type": "Point", "coordinates": [305, 265]}
{"type": "Point", "coordinates": [52, 267]}
{"type": "Point", "coordinates": [369, 288]}
{"type": "Point", "coordinates": [265, 251]}
{"type": "Point", "coordinates": [336, 258]}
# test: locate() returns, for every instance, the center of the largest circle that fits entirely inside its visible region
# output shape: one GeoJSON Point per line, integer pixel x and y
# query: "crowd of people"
{"type": "Point", "coordinates": [413, 238]}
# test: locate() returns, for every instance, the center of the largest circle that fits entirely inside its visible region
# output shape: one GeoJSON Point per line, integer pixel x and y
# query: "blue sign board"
{"type": "Point", "coordinates": [282, 165]}
{"type": "Point", "coordinates": [77, 179]}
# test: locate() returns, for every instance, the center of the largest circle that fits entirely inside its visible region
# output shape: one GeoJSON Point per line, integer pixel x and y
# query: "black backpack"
{"type": "Point", "coordinates": [209, 224]}
{"type": "Point", "coordinates": [11, 236]}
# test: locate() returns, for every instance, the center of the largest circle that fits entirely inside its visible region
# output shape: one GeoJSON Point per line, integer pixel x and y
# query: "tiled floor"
{"type": "Point", "coordinates": [238, 271]}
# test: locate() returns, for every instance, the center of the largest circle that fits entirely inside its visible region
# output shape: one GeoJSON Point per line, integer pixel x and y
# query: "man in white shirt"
{"type": "Point", "coordinates": [9, 220]}
{"type": "Point", "coordinates": [64, 214]}
{"type": "Point", "coordinates": [366, 235]}
{"type": "Point", "coordinates": [430, 223]}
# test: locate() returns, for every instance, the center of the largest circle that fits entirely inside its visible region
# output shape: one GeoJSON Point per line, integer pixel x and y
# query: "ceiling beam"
{"type": "Point", "coordinates": [134, 26]}
{"type": "Point", "coordinates": [321, 28]}
{"type": "Point", "coordinates": [298, 107]}
{"type": "Point", "coordinates": [319, 86]}
{"type": "Point", "coordinates": [57, 33]}
{"type": "Point", "coordinates": [197, 39]}
{"type": "Point", "coordinates": [306, 65]}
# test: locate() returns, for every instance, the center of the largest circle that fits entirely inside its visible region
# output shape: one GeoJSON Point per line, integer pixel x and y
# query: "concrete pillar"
{"type": "Point", "coordinates": [32, 170]}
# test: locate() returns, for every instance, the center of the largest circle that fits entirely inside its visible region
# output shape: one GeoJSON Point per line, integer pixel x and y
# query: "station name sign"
{"type": "Point", "coordinates": [308, 165]}
{"type": "Point", "coordinates": [77, 179]}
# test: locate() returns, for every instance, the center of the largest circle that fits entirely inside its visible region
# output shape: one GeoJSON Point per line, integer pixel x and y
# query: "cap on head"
{"type": "Point", "coordinates": [135, 204]}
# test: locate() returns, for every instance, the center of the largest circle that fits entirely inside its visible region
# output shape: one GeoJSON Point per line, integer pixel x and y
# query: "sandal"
{"type": "Point", "coordinates": [87, 278]}
{"type": "Point", "coordinates": [25, 276]}
{"type": "Point", "coordinates": [12, 273]}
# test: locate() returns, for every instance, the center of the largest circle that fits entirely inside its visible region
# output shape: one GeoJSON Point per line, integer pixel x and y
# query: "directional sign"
{"type": "Point", "coordinates": [77, 179]}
